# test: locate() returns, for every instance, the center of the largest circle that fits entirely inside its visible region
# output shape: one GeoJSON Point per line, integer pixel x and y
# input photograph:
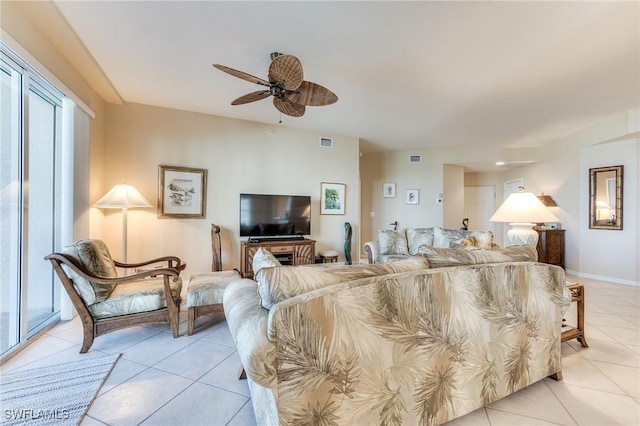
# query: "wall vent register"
{"type": "Point", "coordinates": [326, 142]}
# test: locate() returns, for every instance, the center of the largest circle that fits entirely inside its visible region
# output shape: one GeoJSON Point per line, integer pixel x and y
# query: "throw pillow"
{"type": "Point", "coordinates": [445, 238]}
{"type": "Point", "coordinates": [264, 259]}
{"type": "Point", "coordinates": [393, 242]}
{"type": "Point", "coordinates": [419, 237]}
{"type": "Point", "coordinates": [443, 257]}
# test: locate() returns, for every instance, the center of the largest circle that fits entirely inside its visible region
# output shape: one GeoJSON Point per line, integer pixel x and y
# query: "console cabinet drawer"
{"type": "Point", "coordinates": [280, 249]}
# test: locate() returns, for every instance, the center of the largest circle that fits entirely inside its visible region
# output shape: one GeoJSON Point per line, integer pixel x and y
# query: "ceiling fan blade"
{"type": "Point", "coordinates": [288, 70]}
{"type": "Point", "coordinates": [242, 75]}
{"type": "Point", "coordinates": [252, 97]}
{"type": "Point", "coordinates": [288, 107]}
{"type": "Point", "coordinates": [311, 94]}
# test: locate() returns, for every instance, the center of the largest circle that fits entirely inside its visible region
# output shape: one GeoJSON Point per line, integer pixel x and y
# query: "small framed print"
{"type": "Point", "coordinates": [389, 190]}
{"type": "Point", "coordinates": [332, 198]}
{"type": "Point", "coordinates": [413, 196]}
{"type": "Point", "coordinates": [182, 192]}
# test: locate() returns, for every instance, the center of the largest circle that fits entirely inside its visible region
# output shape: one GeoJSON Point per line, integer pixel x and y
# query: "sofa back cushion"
{"type": "Point", "coordinates": [417, 237]}
{"type": "Point", "coordinates": [94, 256]}
{"type": "Point", "coordinates": [448, 238]}
{"type": "Point", "coordinates": [283, 282]}
{"type": "Point", "coordinates": [444, 257]}
{"type": "Point", "coordinates": [393, 242]}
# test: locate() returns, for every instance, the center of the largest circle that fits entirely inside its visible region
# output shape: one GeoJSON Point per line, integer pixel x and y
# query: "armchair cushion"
{"type": "Point", "coordinates": [94, 256]}
{"type": "Point", "coordinates": [393, 242]}
{"type": "Point", "coordinates": [139, 296]}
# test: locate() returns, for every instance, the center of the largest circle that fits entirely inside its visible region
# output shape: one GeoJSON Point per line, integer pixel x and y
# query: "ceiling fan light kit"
{"type": "Point", "coordinates": [291, 93]}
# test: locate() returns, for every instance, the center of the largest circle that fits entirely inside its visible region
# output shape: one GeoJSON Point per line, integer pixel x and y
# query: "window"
{"type": "Point", "coordinates": [30, 190]}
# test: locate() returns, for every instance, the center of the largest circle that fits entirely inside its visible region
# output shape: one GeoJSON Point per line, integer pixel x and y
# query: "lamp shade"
{"type": "Point", "coordinates": [122, 196]}
{"type": "Point", "coordinates": [523, 207]}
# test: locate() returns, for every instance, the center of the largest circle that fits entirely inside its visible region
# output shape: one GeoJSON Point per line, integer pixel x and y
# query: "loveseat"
{"type": "Point", "coordinates": [397, 343]}
{"type": "Point", "coordinates": [393, 245]}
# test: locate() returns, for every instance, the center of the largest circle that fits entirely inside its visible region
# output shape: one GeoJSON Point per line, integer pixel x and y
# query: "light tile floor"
{"type": "Point", "coordinates": [192, 380]}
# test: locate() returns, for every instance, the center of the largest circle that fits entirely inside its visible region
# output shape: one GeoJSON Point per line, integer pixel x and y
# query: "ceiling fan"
{"type": "Point", "coordinates": [290, 92]}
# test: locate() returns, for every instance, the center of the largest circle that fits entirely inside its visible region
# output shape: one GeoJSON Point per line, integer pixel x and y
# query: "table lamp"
{"type": "Point", "coordinates": [123, 197]}
{"type": "Point", "coordinates": [522, 210]}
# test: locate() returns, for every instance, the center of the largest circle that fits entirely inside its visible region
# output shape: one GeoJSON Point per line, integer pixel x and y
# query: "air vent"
{"type": "Point", "coordinates": [415, 158]}
{"type": "Point", "coordinates": [326, 142]}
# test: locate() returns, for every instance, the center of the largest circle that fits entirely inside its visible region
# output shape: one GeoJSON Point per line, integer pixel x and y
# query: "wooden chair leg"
{"type": "Point", "coordinates": [191, 323]}
{"type": "Point", "coordinates": [88, 333]}
{"type": "Point", "coordinates": [557, 376]}
{"type": "Point", "coordinates": [87, 340]}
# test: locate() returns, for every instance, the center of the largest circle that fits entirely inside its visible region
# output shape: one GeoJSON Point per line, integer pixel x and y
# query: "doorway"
{"type": "Point", "coordinates": [510, 187]}
{"type": "Point", "coordinates": [479, 205]}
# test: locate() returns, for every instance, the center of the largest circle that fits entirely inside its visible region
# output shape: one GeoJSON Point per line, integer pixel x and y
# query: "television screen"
{"type": "Point", "coordinates": [274, 215]}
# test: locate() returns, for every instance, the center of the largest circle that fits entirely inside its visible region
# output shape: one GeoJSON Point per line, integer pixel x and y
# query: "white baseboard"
{"type": "Point", "coordinates": [603, 278]}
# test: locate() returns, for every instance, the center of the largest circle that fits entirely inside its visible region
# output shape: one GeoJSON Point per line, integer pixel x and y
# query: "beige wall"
{"type": "Point", "coordinates": [453, 204]}
{"type": "Point", "coordinates": [240, 156]}
{"type": "Point", "coordinates": [379, 212]}
{"type": "Point", "coordinates": [561, 170]}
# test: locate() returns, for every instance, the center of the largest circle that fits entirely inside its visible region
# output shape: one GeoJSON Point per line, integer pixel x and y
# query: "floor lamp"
{"type": "Point", "coordinates": [522, 210]}
{"type": "Point", "coordinates": [123, 197]}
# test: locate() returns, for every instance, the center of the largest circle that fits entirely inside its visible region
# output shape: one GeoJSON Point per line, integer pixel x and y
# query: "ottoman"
{"type": "Point", "coordinates": [204, 294]}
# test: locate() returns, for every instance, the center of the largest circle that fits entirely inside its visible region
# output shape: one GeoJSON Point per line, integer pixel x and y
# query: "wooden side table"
{"type": "Point", "coordinates": [577, 332]}
{"type": "Point", "coordinates": [550, 246]}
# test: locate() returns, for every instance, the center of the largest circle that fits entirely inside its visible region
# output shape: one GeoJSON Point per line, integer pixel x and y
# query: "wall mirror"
{"type": "Point", "coordinates": [605, 197]}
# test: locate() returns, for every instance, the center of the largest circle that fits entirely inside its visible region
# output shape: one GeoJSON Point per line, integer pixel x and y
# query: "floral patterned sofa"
{"type": "Point", "coordinates": [418, 341]}
{"type": "Point", "coordinates": [399, 244]}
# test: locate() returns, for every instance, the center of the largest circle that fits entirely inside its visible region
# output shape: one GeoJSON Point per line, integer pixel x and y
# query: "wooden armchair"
{"type": "Point", "coordinates": [106, 302]}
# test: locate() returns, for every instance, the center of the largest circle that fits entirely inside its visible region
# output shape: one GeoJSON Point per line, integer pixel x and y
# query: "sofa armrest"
{"type": "Point", "coordinates": [373, 251]}
{"type": "Point", "coordinates": [247, 321]}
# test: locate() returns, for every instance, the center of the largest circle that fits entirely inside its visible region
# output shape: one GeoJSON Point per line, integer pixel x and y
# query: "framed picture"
{"type": "Point", "coordinates": [332, 198]}
{"type": "Point", "coordinates": [389, 190]}
{"type": "Point", "coordinates": [413, 196]}
{"type": "Point", "coordinates": [182, 192]}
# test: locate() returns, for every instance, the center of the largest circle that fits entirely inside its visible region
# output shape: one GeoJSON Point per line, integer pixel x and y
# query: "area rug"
{"type": "Point", "coordinates": [53, 395]}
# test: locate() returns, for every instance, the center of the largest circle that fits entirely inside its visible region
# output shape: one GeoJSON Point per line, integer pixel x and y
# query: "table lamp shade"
{"type": "Point", "coordinates": [122, 196]}
{"type": "Point", "coordinates": [522, 210]}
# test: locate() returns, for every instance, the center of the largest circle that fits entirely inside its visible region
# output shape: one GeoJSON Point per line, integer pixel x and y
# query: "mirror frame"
{"type": "Point", "coordinates": [594, 223]}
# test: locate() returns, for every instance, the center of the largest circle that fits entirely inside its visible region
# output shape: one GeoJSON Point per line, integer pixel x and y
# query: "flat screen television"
{"type": "Point", "coordinates": [263, 215]}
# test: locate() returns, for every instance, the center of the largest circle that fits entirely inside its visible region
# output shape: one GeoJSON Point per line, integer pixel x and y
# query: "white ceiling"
{"type": "Point", "coordinates": [409, 75]}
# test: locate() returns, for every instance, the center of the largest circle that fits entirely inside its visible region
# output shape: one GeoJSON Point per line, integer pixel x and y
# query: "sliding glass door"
{"type": "Point", "coordinates": [30, 213]}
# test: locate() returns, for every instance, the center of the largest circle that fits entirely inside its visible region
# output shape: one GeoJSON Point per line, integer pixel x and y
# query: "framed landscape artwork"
{"type": "Point", "coordinates": [182, 192]}
{"type": "Point", "coordinates": [332, 198]}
